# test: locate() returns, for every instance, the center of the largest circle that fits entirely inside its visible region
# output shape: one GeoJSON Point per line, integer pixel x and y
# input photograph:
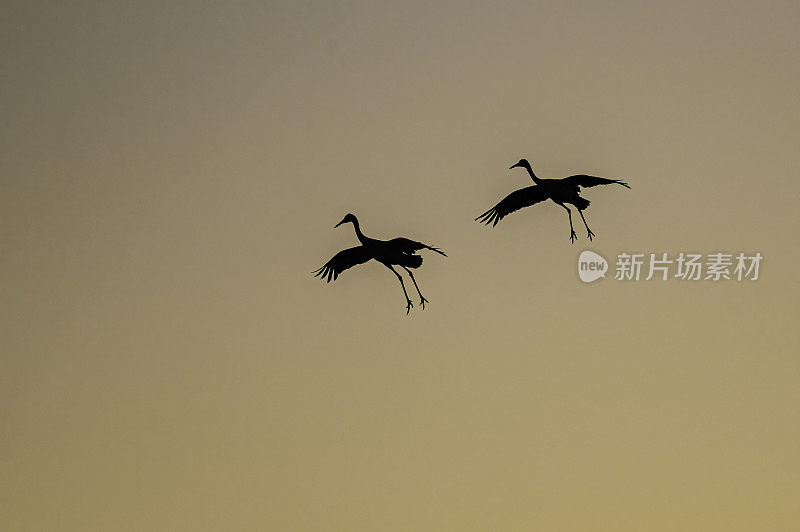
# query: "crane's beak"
{"type": "Point", "coordinates": [513, 166]}
{"type": "Point", "coordinates": [337, 225]}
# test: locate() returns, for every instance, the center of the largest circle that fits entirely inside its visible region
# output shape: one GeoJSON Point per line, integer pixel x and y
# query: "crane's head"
{"type": "Point", "coordinates": [522, 162]}
{"type": "Point", "coordinates": [347, 218]}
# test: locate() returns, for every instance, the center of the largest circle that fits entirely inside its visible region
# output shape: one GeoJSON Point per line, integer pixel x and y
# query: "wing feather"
{"type": "Point", "coordinates": [408, 246]}
{"type": "Point", "coordinates": [524, 197]}
{"type": "Point", "coordinates": [587, 181]}
{"type": "Point", "coordinates": [342, 261]}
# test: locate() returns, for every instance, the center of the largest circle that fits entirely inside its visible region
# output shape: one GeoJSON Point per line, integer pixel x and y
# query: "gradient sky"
{"type": "Point", "coordinates": [171, 174]}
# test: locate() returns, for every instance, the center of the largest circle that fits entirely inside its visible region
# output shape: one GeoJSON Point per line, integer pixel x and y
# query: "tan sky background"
{"type": "Point", "coordinates": [170, 176]}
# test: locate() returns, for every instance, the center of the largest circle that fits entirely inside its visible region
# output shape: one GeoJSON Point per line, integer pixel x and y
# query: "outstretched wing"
{"type": "Point", "coordinates": [524, 197]}
{"type": "Point", "coordinates": [342, 261]}
{"type": "Point", "coordinates": [408, 246]}
{"type": "Point", "coordinates": [586, 181]}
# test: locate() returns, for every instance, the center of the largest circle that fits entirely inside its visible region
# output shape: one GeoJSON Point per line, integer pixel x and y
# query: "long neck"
{"type": "Point", "coordinates": [533, 176]}
{"type": "Point", "coordinates": [359, 234]}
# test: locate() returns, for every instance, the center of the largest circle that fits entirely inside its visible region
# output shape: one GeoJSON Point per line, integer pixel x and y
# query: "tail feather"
{"type": "Point", "coordinates": [581, 203]}
{"type": "Point", "coordinates": [410, 261]}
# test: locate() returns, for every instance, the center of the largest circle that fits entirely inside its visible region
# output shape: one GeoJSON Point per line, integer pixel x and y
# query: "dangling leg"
{"type": "Point", "coordinates": [572, 235]}
{"type": "Point", "coordinates": [421, 297]}
{"type": "Point", "coordinates": [409, 304]}
{"type": "Point", "coordinates": [590, 235]}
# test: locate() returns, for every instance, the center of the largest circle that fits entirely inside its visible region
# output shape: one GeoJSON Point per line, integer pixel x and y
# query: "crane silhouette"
{"type": "Point", "coordinates": [561, 191]}
{"type": "Point", "coordinates": [398, 252]}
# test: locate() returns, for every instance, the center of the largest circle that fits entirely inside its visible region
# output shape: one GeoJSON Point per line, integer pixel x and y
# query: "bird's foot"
{"type": "Point", "coordinates": [408, 306]}
{"type": "Point", "coordinates": [572, 237]}
{"type": "Point", "coordinates": [422, 302]}
{"type": "Point", "coordinates": [590, 235]}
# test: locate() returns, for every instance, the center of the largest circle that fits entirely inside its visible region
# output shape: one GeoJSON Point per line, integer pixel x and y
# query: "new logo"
{"type": "Point", "coordinates": [591, 266]}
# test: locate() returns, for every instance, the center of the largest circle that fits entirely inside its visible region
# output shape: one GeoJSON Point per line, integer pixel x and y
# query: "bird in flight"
{"type": "Point", "coordinates": [561, 191]}
{"type": "Point", "coordinates": [396, 252]}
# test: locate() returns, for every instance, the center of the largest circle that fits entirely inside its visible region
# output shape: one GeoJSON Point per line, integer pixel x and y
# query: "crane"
{"type": "Point", "coordinates": [560, 191]}
{"type": "Point", "coordinates": [396, 252]}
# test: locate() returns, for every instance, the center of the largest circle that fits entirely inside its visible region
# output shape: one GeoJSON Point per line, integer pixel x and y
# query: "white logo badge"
{"type": "Point", "coordinates": [591, 266]}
